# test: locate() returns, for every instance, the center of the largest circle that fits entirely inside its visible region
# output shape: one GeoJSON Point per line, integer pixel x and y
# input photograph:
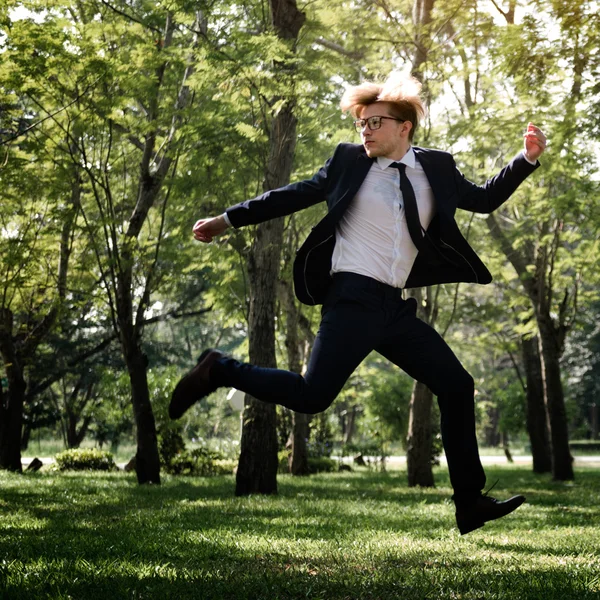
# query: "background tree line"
{"type": "Point", "coordinates": [122, 122]}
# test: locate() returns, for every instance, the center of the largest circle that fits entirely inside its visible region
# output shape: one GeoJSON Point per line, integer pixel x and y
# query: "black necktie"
{"type": "Point", "coordinates": [410, 207]}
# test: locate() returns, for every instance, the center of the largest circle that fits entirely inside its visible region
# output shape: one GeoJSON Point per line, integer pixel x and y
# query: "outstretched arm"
{"type": "Point", "coordinates": [497, 190]}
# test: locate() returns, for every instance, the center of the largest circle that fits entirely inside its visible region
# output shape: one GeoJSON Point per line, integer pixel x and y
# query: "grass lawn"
{"type": "Point", "coordinates": [356, 536]}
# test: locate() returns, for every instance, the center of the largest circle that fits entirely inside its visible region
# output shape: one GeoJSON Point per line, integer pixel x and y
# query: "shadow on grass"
{"type": "Point", "coordinates": [411, 576]}
{"type": "Point", "coordinates": [87, 518]}
{"type": "Point", "coordinates": [357, 535]}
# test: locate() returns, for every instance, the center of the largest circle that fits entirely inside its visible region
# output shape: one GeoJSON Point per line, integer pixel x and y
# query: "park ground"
{"type": "Point", "coordinates": [363, 535]}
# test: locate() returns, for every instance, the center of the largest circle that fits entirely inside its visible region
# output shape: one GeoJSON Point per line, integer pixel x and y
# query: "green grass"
{"type": "Point", "coordinates": [340, 536]}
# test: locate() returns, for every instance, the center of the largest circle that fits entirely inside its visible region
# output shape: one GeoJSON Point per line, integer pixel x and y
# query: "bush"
{"type": "Point", "coordinates": [316, 464]}
{"type": "Point", "coordinates": [200, 462]}
{"type": "Point", "coordinates": [90, 459]}
{"type": "Point", "coordinates": [170, 444]}
{"type": "Point", "coordinates": [176, 459]}
{"type": "Point", "coordinates": [322, 464]}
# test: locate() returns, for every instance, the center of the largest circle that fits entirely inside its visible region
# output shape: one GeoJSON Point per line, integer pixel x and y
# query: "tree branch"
{"type": "Point", "coordinates": [60, 373]}
{"type": "Point", "coordinates": [130, 17]}
{"type": "Point", "coordinates": [355, 55]}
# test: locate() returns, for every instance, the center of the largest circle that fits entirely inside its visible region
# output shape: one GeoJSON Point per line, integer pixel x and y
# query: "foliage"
{"type": "Point", "coordinates": [85, 459]}
{"type": "Point", "coordinates": [170, 444]}
{"type": "Point", "coordinates": [387, 402]}
{"type": "Point", "coordinates": [176, 459]}
{"type": "Point", "coordinates": [342, 535]}
{"type": "Point", "coordinates": [316, 464]}
{"type": "Point", "coordinates": [199, 462]}
{"type": "Point", "coordinates": [322, 438]}
{"type": "Point", "coordinates": [102, 79]}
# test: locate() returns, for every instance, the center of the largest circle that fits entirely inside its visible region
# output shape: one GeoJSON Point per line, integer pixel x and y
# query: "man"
{"type": "Point", "coordinates": [390, 226]}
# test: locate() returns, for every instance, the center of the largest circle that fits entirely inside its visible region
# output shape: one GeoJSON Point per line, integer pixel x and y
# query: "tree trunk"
{"type": "Point", "coordinates": [419, 438]}
{"type": "Point", "coordinates": [562, 461]}
{"type": "Point", "coordinates": [552, 336]}
{"type": "Point", "coordinates": [15, 355]}
{"type": "Point", "coordinates": [418, 442]}
{"type": "Point", "coordinates": [301, 432]}
{"type": "Point", "coordinates": [257, 468]}
{"type": "Point", "coordinates": [594, 421]}
{"type": "Point", "coordinates": [11, 420]}
{"type": "Point", "coordinates": [10, 428]}
{"type": "Point", "coordinates": [11, 407]}
{"type": "Point", "coordinates": [147, 462]}
{"type": "Point", "coordinates": [71, 430]}
{"type": "Point", "coordinates": [491, 433]}
{"type": "Point", "coordinates": [349, 425]}
{"type": "Point", "coordinates": [422, 17]}
{"type": "Point", "coordinates": [25, 436]}
{"type": "Point", "coordinates": [74, 435]}
{"type": "Point", "coordinates": [300, 424]}
{"type": "Point", "coordinates": [537, 418]}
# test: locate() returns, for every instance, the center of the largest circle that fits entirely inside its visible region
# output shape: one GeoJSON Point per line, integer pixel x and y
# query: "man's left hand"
{"type": "Point", "coordinates": [535, 142]}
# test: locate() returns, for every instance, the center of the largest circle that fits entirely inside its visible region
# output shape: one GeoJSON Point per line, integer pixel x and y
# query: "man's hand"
{"type": "Point", "coordinates": [205, 229]}
{"type": "Point", "coordinates": [535, 142]}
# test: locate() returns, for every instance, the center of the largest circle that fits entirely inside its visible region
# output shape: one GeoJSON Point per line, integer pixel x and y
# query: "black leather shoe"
{"type": "Point", "coordinates": [195, 385]}
{"type": "Point", "coordinates": [472, 515]}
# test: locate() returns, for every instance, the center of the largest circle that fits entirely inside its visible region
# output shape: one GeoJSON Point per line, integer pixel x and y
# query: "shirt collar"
{"type": "Point", "coordinates": [409, 159]}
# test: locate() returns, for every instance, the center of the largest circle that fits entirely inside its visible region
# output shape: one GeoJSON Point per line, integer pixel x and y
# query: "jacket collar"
{"type": "Point", "coordinates": [437, 179]}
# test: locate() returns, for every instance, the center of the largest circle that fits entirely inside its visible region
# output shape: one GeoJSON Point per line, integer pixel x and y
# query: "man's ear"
{"type": "Point", "coordinates": [406, 127]}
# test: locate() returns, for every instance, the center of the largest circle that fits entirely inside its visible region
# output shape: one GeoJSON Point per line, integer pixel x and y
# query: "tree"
{"type": "Point", "coordinates": [40, 204]}
{"type": "Point", "coordinates": [127, 234]}
{"type": "Point", "coordinates": [419, 439]}
{"type": "Point", "coordinates": [257, 469]}
{"type": "Point", "coordinates": [293, 344]}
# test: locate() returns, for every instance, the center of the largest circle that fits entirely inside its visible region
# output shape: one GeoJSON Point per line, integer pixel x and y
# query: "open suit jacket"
{"type": "Point", "coordinates": [446, 257]}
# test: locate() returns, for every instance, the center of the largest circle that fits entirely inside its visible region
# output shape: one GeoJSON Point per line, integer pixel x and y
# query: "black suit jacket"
{"type": "Point", "coordinates": [447, 256]}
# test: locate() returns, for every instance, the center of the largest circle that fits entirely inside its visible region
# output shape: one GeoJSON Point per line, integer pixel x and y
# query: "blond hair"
{"type": "Point", "coordinates": [402, 91]}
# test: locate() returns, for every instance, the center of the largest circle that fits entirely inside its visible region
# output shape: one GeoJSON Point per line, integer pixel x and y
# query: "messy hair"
{"type": "Point", "coordinates": [400, 90]}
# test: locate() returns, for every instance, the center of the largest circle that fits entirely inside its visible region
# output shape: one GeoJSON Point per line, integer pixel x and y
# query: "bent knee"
{"type": "Point", "coordinates": [314, 405]}
{"type": "Point", "coordinates": [463, 382]}
{"type": "Point", "coordinates": [314, 408]}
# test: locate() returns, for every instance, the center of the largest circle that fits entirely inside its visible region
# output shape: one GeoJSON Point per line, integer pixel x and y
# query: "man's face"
{"type": "Point", "coordinates": [391, 139]}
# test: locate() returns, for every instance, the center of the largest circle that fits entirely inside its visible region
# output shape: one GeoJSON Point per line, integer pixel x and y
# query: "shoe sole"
{"type": "Point", "coordinates": [468, 527]}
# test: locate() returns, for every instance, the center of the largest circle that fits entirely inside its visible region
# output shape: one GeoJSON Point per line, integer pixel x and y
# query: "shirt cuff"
{"type": "Point", "coordinates": [531, 162]}
{"type": "Point", "coordinates": [227, 219]}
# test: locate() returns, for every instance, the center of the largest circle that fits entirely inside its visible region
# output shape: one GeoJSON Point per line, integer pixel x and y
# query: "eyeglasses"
{"type": "Point", "coordinates": [373, 123]}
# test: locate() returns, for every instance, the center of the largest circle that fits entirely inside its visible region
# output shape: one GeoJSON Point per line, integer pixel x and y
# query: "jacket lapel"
{"type": "Point", "coordinates": [351, 183]}
{"type": "Point", "coordinates": [437, 175]}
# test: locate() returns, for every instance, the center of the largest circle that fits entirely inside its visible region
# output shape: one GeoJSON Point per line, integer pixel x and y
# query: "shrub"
{"type": "Point", "coordinates": [176, 459]}
{"type": "Point", "coordinates": [316, 464]}
{"type": "Point", "coordinates": [170, 444]}
{"type": "Point", "coordinates": [201, 462]}
{"type": "Point", "coordinates": [89, 459]}
{"type": "Point", "coordinates": [322, 464]}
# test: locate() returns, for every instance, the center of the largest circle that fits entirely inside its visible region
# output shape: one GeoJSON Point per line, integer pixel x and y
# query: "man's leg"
{"type": "Point", "coordinates": [420, 351]}
{"type": "Point", "coordinates": [348, 332]}
{"type": "Point", "coordinates": [337, 351]}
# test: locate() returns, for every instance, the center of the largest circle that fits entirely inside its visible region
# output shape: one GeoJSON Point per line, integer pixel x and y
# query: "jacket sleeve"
{"type": "Point", "coordinates": [488, 197]}
{"type": "Point", "coordinates": [282, 201]}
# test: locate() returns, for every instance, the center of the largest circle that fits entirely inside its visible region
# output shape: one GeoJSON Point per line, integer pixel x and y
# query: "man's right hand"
{"type": "Point", "coordinates": [205, 229]}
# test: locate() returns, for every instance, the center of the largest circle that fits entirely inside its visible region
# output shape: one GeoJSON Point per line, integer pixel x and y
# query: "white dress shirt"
{"type": "Point", "coordinates": [372, 236]}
